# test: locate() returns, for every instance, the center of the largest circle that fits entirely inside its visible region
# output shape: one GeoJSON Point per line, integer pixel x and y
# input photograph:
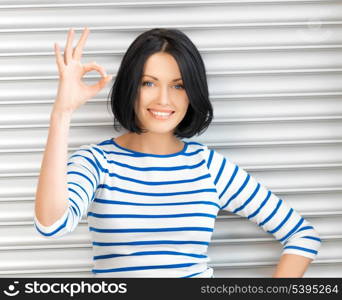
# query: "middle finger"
{"type": "Point", "coordinates": [68, 47]}
{"type": "Point", "coordinates": [79, 47]}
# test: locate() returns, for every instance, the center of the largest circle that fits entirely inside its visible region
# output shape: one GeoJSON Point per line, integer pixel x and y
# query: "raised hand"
{"type": "Point", "coordinates": [72, 91]}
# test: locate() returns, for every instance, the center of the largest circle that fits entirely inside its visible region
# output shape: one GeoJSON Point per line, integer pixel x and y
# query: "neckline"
{"type": "Point", "coordinates": [150, 154]}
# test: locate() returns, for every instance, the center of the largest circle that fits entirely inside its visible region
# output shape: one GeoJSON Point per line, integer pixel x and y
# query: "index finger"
{"type": "Point", "coordinates": [79, 47]}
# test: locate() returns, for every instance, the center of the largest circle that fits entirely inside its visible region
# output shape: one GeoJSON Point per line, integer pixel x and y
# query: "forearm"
{"type": "Point", "coordinates": [51, 195]}
{"type": "Point", "coordinates": [291, 265]}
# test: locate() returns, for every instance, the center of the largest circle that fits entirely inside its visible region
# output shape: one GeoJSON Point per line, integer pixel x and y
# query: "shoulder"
{"type": "Point", "coordinates": [209, 155]}
{"type": "Point", "coordinates": [207, 151]}
{"type": "Point", "coordinates": [97, 150]}
{"type": "Point", "coordinates": [215, 159]}
{"type": "Point", "coordinates": [196, 146]}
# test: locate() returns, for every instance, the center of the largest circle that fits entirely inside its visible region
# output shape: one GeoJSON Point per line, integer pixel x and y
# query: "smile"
{"type": "Point", "coordinates": [160, 115]}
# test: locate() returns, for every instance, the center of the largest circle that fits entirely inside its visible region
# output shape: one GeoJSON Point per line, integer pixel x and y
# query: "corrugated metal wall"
{"type": "Point", "coordinates": [275, 79]}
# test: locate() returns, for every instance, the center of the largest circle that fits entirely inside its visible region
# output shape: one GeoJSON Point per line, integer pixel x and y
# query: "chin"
{"type": "Point", "coordinates": [160, 129]}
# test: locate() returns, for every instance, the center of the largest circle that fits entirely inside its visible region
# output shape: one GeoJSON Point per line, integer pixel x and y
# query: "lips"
{"type": "Point", "coordinates": [160, 117]}
{"type": "Point", "coordinates": [161, 110]}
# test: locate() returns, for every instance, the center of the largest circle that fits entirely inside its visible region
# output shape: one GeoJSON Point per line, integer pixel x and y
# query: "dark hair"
{"type": "Point", "coordinates": [123, 93]}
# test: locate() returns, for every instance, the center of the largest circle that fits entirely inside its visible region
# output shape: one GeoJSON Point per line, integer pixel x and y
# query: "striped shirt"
{"type": "Point", "coordinates": [153, 215]}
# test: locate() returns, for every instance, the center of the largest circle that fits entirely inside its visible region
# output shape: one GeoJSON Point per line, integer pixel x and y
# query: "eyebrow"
{"type": "Point", "coordinates": [157, 78]}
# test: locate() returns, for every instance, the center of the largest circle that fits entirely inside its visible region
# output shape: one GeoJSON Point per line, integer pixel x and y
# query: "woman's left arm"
{"type": "Point", "coordinates": [291, 265]}
{"type": "Point", "coordinates": [242, 194]}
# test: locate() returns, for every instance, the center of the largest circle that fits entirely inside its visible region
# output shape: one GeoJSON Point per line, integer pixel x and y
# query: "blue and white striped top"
{"type": "Point", "coordinates": [153, 215]}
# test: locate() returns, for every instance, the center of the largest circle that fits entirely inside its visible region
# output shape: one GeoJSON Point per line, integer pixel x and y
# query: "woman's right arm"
{"type": "Point", "coordinates": [51, 195]}
{"type": "Point", "coordinates": [52, 200]}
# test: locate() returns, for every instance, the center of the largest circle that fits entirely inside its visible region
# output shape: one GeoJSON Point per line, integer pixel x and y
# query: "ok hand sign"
{"type": "Point", "coordinates": [72, 91]}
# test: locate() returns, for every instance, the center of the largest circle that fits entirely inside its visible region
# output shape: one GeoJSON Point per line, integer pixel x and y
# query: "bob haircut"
{"type": "Point", "coordinates": [124, 91]}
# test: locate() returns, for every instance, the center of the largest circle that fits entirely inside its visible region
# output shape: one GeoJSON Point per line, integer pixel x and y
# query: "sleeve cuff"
{"type": "Point", "coordinates": [53, 229]}
{"type": "Point", "coordinates": [309, 253]}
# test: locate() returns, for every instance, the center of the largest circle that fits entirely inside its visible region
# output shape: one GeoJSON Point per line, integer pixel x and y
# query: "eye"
{"type": "Point", "coordinates": [146, 82]}
{"type": "Point", "coordinates": [180, 85]}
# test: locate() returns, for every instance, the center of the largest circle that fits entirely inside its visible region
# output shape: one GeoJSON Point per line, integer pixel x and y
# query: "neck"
{"type": "Point", "coordinates": [154, 143]}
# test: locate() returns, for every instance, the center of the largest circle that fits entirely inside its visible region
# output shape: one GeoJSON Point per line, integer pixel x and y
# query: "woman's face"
{"type": "Point", "coordinates": [161, 89]}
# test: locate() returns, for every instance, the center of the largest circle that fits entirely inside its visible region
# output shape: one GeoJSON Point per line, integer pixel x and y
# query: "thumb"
{"type": "Point", "coordinates": [100, 84]}
{"type": "Point", "coordinates": [105, 80]}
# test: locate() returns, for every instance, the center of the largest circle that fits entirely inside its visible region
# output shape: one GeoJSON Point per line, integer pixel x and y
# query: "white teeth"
{"type": "Point", "coordinates": [160, 113]}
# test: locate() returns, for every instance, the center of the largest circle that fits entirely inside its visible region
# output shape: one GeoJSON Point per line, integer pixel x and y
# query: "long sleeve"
{"type": "Point", "coordinates": [241, 194]}
{"type": "Point", "coordinates": [85, 173]}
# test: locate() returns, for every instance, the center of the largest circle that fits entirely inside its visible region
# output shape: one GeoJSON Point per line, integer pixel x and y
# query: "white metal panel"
{"type": "Point", "coordinates": [274, 71]}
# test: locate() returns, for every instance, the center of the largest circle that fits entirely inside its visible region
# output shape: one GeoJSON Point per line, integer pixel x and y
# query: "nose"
{"type": "Point", "coordinates": [164, 97]}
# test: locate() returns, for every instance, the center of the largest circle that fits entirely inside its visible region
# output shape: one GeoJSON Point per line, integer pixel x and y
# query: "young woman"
{"type": "Point", "coordinates": [151, 198]}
